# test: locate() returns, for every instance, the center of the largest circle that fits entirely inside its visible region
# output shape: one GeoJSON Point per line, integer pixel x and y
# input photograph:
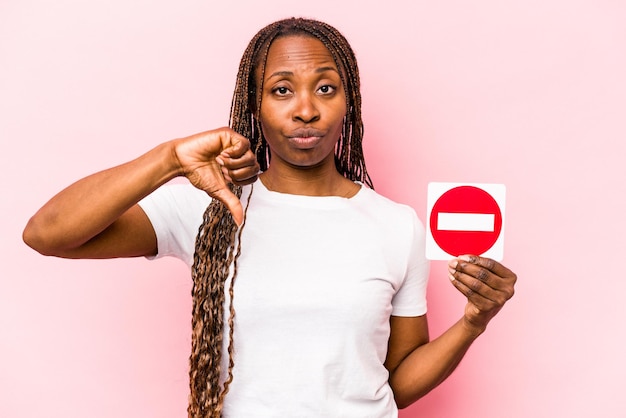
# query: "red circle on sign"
{"type": "Point", "coordinates": [469, 200]}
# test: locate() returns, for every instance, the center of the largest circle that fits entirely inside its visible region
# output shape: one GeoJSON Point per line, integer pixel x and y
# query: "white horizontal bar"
{"type": "Point", "coordinates": [465, 222]}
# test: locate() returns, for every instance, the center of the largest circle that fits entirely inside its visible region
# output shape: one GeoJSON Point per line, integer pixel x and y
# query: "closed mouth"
{"type": "Point", "coordinates": [306, 133]}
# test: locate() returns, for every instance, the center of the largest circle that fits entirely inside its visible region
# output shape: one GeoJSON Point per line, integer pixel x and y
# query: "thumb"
{"type": "Point", "coordinates": [231, 202]}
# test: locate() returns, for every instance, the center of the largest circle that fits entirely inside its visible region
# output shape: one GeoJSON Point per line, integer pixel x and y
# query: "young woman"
{"type": "Point", "coordinates": [326, 277]}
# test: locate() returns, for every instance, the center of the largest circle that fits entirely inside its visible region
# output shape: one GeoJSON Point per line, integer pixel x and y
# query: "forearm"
{"type": "Point", "coordinates": [430, 364]}
{"type": "Point", "coordinates": [89, 206]}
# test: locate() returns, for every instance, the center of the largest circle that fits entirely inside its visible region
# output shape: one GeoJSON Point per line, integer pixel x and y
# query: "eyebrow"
{"type": "Point", "coordinates": [290, 73]}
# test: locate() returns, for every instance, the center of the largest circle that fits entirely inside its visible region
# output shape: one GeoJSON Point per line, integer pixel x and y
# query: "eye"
{"type": "Point", "coordinates": [326, 89]}
{"type": "Point", "coordinates": [281, 91]}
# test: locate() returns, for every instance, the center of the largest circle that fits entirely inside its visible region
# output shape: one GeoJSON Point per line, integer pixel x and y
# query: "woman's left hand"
{"type": "Point", "coordinates": [487, 284]}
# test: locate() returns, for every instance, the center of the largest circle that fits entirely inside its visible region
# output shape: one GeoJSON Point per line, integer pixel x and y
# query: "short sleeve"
{"type": "Point", "coordinates": [410, 299]}
{"type": "Point", "coordinates": [175, 212]}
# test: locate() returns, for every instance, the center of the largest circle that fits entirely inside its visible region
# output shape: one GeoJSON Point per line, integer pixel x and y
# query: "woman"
{"type": "Point", "coordinates": [326, 277]}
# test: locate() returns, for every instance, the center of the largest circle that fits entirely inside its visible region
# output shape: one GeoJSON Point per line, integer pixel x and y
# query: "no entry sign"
{"type": "Point", "coordinates": [465, 218]}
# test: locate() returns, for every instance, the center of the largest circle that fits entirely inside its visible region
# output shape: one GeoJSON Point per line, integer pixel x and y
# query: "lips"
{"type": "Point", "coordinates": [306, 137]}
{"type": "Point", "coordinates": [306, 133]}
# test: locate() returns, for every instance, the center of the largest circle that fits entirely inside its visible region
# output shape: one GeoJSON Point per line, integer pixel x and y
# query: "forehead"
{"type": "Point", "coordinates": [298, 50]}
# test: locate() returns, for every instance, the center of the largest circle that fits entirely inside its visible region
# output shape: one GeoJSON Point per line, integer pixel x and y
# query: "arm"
{"type": "Point", "coordinates": [98, 216]}
{"type": "Point", "coordinates": [416, 365]}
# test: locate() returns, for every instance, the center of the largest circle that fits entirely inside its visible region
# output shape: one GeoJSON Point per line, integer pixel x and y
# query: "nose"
{"type": "Point", "coordinates": [305, 109]}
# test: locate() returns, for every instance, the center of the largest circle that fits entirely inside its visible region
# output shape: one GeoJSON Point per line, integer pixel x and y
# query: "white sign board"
{"type": "Point", "coordinates": [465, 218]}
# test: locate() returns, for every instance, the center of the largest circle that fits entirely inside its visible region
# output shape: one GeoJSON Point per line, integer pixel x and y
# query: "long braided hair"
{"type": "Point", "coordinates": [218, 241]}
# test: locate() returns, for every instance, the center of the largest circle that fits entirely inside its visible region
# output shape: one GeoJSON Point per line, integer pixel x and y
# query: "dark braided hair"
{"type": "Point", "coordinates": [218, 243]}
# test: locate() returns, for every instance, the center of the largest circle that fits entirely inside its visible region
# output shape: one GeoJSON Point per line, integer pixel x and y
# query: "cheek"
{"type": "Point", "coordinates": [265, 117]}
{"type": "Point", "coordinates": [343, 108]}
{"type": "Point", "coordinates": [269, 112]}
{"type": "Point", "coordinates": [341, 114]}
{"type": "Point", "coordinates": [268, 128]}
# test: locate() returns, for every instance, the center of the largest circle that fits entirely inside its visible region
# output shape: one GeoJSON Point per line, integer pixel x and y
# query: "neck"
{"type": "Point", "coordinates": [310, 182]}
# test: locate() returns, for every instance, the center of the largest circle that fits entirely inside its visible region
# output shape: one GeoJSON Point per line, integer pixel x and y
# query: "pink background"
{"type": "Point", "coordinates": [531, 94]}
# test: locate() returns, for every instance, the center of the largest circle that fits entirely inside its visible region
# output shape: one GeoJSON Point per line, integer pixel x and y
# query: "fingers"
{"type": "Point", "coordinates": [240, 171]}
{"type": "Point", "coordinates": [489, 264]}
{"type": "Point", "coordinates": [485, 282]}
{"type": "Point", "coordinates": [238, 162]}
{"type": "Point", "coordinates": [231, 202]}
{"type": "Point", "coordinates": [233, 144]}
{"type": "Point", "coordinates": [239, 166]}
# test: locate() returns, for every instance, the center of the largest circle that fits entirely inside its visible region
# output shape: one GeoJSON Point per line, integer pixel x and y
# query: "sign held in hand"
{"type": "Point", "coordinates": [465, 218]}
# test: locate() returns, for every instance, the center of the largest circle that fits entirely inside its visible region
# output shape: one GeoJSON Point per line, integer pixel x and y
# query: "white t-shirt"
{"type": "Point", "coordinates": [318, 278]}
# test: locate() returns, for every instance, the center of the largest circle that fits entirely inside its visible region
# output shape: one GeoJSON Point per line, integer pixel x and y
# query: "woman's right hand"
{"type": "Point", "coordinates": [214, 158]}
{"type": "Point", "coordinates": [99, 217]}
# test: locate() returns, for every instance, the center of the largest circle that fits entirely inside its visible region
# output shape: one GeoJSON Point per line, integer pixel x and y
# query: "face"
{"type": "Point", "coordinates": [303, 103]}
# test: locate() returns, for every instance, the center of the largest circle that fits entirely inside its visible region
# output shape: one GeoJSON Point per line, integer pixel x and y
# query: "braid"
{"type": "Point", "coordinates": [218, 244]}
{"type": "Point", "coordinates": [212, 258]}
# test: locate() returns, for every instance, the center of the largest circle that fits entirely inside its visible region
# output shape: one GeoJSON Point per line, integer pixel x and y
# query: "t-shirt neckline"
{"type": "Point", "coordinates": [329, 202]}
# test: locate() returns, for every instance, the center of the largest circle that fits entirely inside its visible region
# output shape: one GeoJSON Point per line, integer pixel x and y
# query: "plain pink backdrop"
{"type": "Point", "coordinates": [531, 94]}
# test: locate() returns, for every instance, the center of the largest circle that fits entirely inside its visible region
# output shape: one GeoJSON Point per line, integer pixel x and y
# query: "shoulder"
{"type": "Point", "coordinates": [175, 200]}
{"type": "Point", "coordinates": [395, 222]}
{"type": "Point", "coordinates": [382, 207]}
{"type": "Point", "coordinates": [179, 193]}
{"type": "Point", "coordinates": [175, 212]}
